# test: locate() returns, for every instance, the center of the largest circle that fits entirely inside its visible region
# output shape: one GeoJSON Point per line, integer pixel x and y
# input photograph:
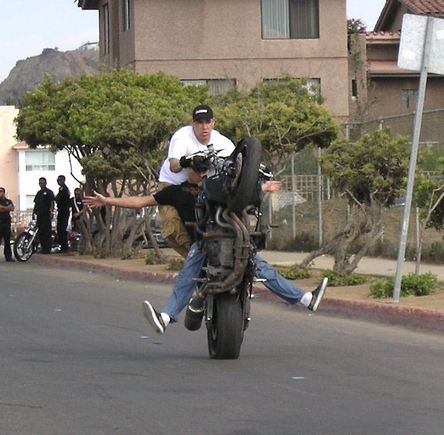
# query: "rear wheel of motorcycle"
{"type": "Point", "coordinates": [247, 159]}
{"type": "Point", "coordinates": [226, 330]}
{"type": "Point", "coordinates": [23, 247]}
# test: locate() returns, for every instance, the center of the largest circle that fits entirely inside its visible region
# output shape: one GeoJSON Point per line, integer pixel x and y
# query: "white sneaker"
{"type": "Point", "coordinates": [318, 294]}
{"type": "Point", "coordinates": [154, 318]}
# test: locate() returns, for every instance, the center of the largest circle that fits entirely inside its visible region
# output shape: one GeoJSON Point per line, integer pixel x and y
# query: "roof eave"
{"type": "Point", "coordinates": [88, 4]}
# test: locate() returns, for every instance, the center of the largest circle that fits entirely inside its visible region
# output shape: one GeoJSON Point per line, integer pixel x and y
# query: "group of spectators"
{"type": "Point", "coordinates": [43, 211]}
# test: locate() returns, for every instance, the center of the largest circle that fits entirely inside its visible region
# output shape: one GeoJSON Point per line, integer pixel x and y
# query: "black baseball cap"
{"type": "Point", "coordinates": [202, 112]}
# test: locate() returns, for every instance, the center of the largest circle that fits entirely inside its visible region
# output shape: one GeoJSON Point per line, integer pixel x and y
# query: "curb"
{"type": "Point", "coordinates": [360, 310]}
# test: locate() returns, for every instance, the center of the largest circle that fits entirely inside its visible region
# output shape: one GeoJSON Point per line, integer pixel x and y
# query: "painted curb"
{"type": "Point", "coordinates": [361, 310]}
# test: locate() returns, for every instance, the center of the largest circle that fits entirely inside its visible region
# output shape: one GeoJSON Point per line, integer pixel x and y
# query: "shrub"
{"type": "Point", "coordinates": [411, 285]}
{"type": "Point", "coordinates": [293, 273]}
{"type": "Point", "coordinates": [151, 258]}
{"type": "Point", "coordinates": [337, 280]}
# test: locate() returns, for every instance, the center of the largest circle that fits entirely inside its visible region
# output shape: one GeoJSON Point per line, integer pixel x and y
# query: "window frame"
{"type": "Point", "coordinates": [42, 166]}
{"type": "Point", "coordinates": [106, 30]}
{"type": "Point", "coordinates": [289, 29]}
{"type": "Point", "coordinates": [126, 15]}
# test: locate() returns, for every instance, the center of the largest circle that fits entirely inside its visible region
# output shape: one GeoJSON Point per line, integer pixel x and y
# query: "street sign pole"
{"type": "Point", "coordinates": [413, 158]}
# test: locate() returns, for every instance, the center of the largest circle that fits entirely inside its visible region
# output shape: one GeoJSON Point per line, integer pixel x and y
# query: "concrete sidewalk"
{"type": "Point", "coordinates": [354, 302]}
{"type": "Point", "coordinates": [367, 266]}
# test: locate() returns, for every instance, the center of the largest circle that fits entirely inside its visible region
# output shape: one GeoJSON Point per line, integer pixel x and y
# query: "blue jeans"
{"type": "Point", "coordinates": [184, 285]}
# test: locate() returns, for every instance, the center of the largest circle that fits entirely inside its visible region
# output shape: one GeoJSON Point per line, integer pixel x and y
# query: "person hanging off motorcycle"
{"type": "Point", "coordinates": [44, 211]}
{"type": "Point", "coordinates": [6, 206]}
{"type": "Point", "coordinates": [186, 141]}
{"type": "Point", "coordinates": [183, 199]}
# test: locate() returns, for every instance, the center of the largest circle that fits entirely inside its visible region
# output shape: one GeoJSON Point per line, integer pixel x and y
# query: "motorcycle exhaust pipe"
{"type": "Point", "coordinates": [195, 310]}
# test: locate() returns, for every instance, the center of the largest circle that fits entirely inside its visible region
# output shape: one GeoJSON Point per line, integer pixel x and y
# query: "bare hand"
{"type": "Point", "coordinates": [95, 201]}
{"type": "Point", "coordinates": [271, 186]}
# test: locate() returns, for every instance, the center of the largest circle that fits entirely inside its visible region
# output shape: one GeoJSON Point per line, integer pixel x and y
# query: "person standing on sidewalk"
{"type": "Point", "coordinates": [183, 198]}
{"type": "Point", "coordinates": [44, 211]}
{"type": "Point", "coordinates": [63, 202]}
{"type": "Point", "coordinates": [187, 140]}
{"type": "Point", "coordinates": [6, 206]}
{"type": "Point", "coordinates": [77, 209]}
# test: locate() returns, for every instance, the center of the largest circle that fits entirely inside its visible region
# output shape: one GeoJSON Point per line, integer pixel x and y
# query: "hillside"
{"type": "Point", "coordinates": [28, 73]}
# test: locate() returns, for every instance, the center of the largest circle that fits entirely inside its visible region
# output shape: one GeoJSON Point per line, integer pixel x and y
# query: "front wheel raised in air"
{"type": "Point", "coordinates": [247, 159]}
{"type": "Point", "coordinates": [23, 247]}
{"type": "Point", "coordinates": [226, 329]}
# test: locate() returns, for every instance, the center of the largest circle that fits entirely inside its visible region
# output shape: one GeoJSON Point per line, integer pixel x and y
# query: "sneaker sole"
{"type": "Point", "coordinates": [151, 315]}
{"type": "Point", "coordinates": [320, 294]}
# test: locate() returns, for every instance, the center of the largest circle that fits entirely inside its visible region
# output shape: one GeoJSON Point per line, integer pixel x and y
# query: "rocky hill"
{"type": "Point", "coordinates": [28, 73]}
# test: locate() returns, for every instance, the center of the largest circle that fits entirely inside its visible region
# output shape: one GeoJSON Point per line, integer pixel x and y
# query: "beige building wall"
{"type": "Point", "coordinates": [386, 95]}
{"type": "Point", "coordinates": [222, 39]}
{"type": "Point", "coordinates": [8, 156]}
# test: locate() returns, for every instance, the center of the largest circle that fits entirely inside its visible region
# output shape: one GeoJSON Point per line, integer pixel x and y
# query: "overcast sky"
{"type": "Point", "coordinates": [29, 26]}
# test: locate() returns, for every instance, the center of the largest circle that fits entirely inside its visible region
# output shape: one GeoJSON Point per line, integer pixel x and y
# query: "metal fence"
{"type": "Point", "coordinates": [432, 130]}
{"type": "Point", "coordinates": [308, 211]}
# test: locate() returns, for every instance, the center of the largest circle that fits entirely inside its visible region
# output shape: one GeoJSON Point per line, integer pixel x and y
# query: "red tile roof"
{"type": "Point", "coordinates": [383, 36]}
{"type": "Point", "coordinates": [425, 7]}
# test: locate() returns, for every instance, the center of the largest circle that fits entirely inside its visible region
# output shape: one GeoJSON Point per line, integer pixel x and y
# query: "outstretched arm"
{"type": "Point", "coordinates": [271, 186]}
{"type": "Point", "coordinates": [99, 200]}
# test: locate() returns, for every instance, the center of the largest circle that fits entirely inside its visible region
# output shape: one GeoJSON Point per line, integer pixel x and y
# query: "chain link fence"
{"type": "Point", "coordinates": [308, 212]}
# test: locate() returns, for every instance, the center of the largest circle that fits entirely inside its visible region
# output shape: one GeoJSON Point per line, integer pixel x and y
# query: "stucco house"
{"type": "Point", "coordinates": [21, 167]}
{"type": "Point", "coordinates": [226, 43]}
{"type": "Point", "coordinates": [378, 87]}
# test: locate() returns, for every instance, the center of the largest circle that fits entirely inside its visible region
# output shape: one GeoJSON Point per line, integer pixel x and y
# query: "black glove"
{"type": "Point", "coordinates": [200, 164]}
{"type": "Point", "coordinates": [185, 162]}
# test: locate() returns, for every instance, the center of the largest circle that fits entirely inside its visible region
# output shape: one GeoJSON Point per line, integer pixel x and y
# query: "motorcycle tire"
{"type": "Point", "coordinates": [225, 332]}
{"type": "Point", "coordinates": [248, 156]}
{"type": "Point", "coordinates": [23, 247]}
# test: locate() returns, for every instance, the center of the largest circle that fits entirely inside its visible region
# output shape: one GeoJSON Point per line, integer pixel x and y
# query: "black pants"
{"type": "Point", "coordinates": [5, 235]}
{"type": "Point", "coordinates": [44, 224]}
{"type": "Point", "coordinates": [62, 224]}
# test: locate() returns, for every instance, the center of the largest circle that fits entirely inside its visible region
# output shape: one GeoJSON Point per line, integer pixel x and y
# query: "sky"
{"type": "Point", "coordinates": [29, 26]}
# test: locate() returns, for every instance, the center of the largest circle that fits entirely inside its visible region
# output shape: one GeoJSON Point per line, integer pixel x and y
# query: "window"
{"type": "Point", "coordinates": [354, 88]}
{"type": "Point", "coordinates": [126, 15]}
{"type": "Point", "coordinates": [106, 35]}
{"type": "Point", "coordinates": [215, 86]}
{"type": "Point", "coordinates": [290, 19]}
{"type": "Point", "coordinates": [408, 99]}
{"type": "Point", "coordinates": [39, 161]}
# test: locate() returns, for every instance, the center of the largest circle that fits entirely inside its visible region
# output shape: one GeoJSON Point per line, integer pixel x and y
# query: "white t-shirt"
{"type": "Point", "coordinates": [184, 143]}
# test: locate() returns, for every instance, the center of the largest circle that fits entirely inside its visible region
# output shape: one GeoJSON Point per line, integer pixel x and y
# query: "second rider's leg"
{"type": "Point", "coordinates": [181, 293]}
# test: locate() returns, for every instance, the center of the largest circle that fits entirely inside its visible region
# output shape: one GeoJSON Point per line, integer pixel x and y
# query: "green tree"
{"type": "Point", "coordinates": [285, 115]}
{"type": "Point", "coordinates": [429, 198]}
{"type": "Point", "coordinates": [113, 124]}
{"type": "Point", "coordinates": [372, 174]}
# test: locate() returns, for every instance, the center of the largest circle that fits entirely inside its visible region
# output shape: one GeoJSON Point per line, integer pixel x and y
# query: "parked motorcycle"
{"type": "Point", "coordinates": [27, 242]}
{"type": "Point", "coordinates": [229, 233]}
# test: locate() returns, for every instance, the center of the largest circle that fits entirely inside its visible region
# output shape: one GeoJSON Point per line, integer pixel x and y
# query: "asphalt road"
{"type": "Point", "coordinates": [77, 357]}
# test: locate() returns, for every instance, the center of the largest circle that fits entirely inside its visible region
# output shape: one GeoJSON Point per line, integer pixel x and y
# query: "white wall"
{"type": "Point", "coordinates": [29, 180]}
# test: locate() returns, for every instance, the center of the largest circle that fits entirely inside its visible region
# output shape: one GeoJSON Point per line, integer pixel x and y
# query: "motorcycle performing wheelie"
{"type": "Point", "coordinates": [229, 232]}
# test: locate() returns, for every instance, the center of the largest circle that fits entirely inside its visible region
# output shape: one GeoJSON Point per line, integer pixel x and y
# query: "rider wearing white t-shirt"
{"type": "Point", "coordinates": [185, 141]}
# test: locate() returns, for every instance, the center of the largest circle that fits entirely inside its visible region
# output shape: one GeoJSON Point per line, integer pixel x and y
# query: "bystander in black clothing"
{"type": "Point", "coordinates": [63, 202]}
{"type": "Point", "coordinates": [76, 209]}
{"type": "Point", "coordinates": [44, 209]}
{"type": "Point", "coordinates": [6, 206]}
